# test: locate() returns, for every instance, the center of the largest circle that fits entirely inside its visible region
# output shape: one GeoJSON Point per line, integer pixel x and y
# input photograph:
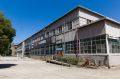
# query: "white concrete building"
{"type": "Point", "coordinates": [79, 32]}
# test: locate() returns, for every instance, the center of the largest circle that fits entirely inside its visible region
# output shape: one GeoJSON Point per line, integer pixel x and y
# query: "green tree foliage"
{"type": "Point", "coordinates": [7, 34]}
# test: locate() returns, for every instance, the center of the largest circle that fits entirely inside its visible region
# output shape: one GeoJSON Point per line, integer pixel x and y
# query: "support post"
{"type": "Point", "coordinates": [64, 38]}
{"type": "Point", "coordinates": [77, 53]}
{"type": "Point", "coordinates": [108, 51]}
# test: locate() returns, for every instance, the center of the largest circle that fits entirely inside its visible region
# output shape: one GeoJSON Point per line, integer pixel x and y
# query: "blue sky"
{"type": "Point", "coordinates": [29, 16]}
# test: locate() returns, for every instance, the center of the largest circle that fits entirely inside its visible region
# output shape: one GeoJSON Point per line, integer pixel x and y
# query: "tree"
{"type": "Point", "coordinates": [7, 34]}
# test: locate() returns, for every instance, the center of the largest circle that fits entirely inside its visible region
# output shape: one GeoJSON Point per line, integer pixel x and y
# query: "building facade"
{"type": "Point", "coordinates": [13, 48]}
{"type": "Point", "coordinates": [79, 32]}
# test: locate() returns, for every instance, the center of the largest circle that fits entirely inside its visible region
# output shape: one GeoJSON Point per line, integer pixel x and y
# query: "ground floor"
{"type": "Point", "coordinates": [101, 48]}
{"type": "Point", "coordinates": [91, 45]}
{"type": "Point", "coordinates": [101, 44]}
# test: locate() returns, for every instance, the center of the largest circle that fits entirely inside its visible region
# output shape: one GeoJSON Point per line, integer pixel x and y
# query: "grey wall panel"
{"type": "Point", "coordinates": [66, 37]}
{"type": "Point", "coordinates": [92, 30]}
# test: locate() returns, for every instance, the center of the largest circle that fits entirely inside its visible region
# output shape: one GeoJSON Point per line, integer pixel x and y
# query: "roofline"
{"type": "Point", "coordinates": [78, 7]}
{"type": "Point", "coordinates": [112, 20]}
{"type": "Point", "coordinates": [107, 18]}
{"type": "Point", "coordinates": [52, 23]}
{"type": "Point", "coordinates": [103, 19]}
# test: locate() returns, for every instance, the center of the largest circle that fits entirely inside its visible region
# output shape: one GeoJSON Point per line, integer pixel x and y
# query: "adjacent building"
{"type": "Point", "coordinates": [80, 32]}
{"type": "Point", "coordinates": [13, 48]}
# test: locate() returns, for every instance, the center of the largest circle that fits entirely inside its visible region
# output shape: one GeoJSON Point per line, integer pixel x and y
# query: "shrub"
{"type": "Point", "coordinates": [69, 60]}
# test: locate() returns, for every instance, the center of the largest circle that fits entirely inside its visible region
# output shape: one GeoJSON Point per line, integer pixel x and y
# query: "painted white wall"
{"type": "Point", "coordinates": [114, 60]}
{"type": "Point", "coordinates": [112, 29]}
{"type": "Point", "coordinates": [82, 21]}
{"type": "Point", "coordinates": [88, 15]}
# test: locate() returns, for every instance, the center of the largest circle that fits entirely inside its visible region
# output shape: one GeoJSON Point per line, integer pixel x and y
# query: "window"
{"type": "Point", "coordinates": [75, 23]}
{"type": "Point", "coordinates": [59, 47]}
{"type": "Point", "coordinates": [114, 45]}
{"type": "Point", "coordinates": [53, 31]}
{"type": "Point", "coordinates": [69, 25]}
{"type": "Point", "coordinates": [50, 33]}
{"type": "Point", "coordinates": [89, 21]}
{"type": "Point", "coordinates": [42, 51]}
{"type": "Point", "coordinates": [47, 34]}
{"type": "Point", "coordinates": [93, 45]}
{"type": "Point", "coordinates": [59, 29]}
{"type": "Point", "coordinates": [72, 47]}
{"type": "Point", "coordinates": [52, 49]}
{"type": "Point", "coordinates": [43, 36]}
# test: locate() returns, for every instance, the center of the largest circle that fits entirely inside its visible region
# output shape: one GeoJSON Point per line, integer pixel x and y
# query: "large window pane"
{"type": "Point", "coordinates": [114, 45]}
{"type": "Point", "coordinates": [93, 45]}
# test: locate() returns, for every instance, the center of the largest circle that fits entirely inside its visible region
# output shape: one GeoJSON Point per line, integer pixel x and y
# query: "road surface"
{"type": "Point", "coordinates": [25, 68]}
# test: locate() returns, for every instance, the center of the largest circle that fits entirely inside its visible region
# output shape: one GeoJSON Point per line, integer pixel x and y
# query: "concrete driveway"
{"type": "Point", "coordinates": [17, 68]}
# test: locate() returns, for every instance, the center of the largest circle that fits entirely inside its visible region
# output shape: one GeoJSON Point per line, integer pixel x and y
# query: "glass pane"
{"type": "Point", "coordinates": [93, 44]}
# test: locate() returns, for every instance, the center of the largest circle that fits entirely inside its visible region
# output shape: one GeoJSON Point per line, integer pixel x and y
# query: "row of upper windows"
{"type": "Point", "coordinates": [58, 30]}
{"type": "Point", "coordinates": [66, 27]}
{"type": "Point", "coordinates": [63, 28]}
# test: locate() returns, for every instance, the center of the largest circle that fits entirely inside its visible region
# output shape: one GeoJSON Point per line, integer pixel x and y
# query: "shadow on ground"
{"type": "Point", "coordinates": [2, 66]}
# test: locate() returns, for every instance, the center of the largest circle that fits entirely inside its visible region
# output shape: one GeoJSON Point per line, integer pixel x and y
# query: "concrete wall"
{"type": "Point", "coordinates": [114, 60]}
{"type": "Point", "coordinates": [99, 59]}
{"type": "Point", "coordinates": [68, 36]}
{"type": "Point", "coordinates": [112, 29]}
{"type": "Point", "coordinates": [41, 57]}
{"type": "Point", "coordinates": [13, 49]}
{"type": "Point", "coordinates": [88, 15]}
{"type": "Point", "coordinates": [92, 30]}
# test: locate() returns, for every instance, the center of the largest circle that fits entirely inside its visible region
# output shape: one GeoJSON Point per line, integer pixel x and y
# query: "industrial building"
{"type": "Point", "coordinates": [80, 32]}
